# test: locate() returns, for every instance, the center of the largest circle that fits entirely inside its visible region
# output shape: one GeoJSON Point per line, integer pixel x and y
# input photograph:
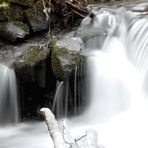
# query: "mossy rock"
{"type": "Point", "coordinates": [4, 8]}
{"type": "Point", "coordinates": [63, 60]}
{"type": "Point", "coordinates": [26, 62]}
{"type": "Point", "coordinates": [9, 11]}
{"type": "Point", "coordinates": [15, 13]}
{"type": "Point", "coordinates": [30, 57]}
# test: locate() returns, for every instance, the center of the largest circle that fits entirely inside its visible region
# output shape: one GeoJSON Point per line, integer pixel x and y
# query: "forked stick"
{"type": "Point", "coordinates": [54, 129]}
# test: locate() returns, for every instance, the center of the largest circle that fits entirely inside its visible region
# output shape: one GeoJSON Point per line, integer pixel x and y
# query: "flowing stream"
{"type": "Point", "coordinates": [116, 44]}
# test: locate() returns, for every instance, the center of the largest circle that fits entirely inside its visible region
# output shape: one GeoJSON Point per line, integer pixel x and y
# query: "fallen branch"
{"type": "Point", "coordinates": [58, 134]}
{"type": "Point", "coordinates": [54, 129]}
{"type": "Point", "coordinates": [80, 9]}
{"type": "Point", "coordinates": [70, 11]}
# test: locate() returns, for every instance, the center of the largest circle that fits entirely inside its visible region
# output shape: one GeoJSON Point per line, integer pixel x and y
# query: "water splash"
{"type": "Point", "coordinates": [118, 102]}
{"type": "Point", "coordinates": [8, 96]}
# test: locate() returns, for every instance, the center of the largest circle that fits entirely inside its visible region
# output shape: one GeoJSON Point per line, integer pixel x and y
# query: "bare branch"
{"type": "Point", "coordinates": [54, 129]}
{"type": "Point", "coordinates": [76, 140]}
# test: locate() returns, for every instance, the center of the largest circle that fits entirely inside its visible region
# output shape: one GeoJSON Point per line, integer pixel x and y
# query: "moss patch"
{"type": "Point", "coordinates": [31, 57]}
{"type": "Point", "coordinates": [21, 25]}
{"type": "Point", "coordinates": [4, 4]}
{"type": "Point", "coordinates": [56, 65]}
{"type": "Point", "coordinates": [4, 7]}
{"type": "Point", "coordinates": [63, 60]}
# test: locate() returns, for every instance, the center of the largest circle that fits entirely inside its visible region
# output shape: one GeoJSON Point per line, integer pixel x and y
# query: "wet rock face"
{"type": "Point", "coordinates": [13, 30]}
{"type": "Point", "coordinates": [30, 64]}
{"type": "Point", "coordinates": [36, 82]}
{"type": "Point", "coordinates": [19, 18]}
{"type": "Point", "coordinates": [63, 61]}
{"type": "Point", "coordinates": [36, 17]}
{"type": "Point", "coordinates": [12, 12]}
{"type": "Point", "coordinates": [3, 13]}
{"type": "Point", "coordinates": [30, 57]}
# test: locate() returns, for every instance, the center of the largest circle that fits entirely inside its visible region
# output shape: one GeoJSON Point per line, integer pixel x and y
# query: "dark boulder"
{"type": "Point", "coordinates": [63, 61]}
{"type": "Point", "coordinates": [30, 57]}
{"type": "Point", "coordinates": [12, 30]}
{"type": "Point", "coordinates": [12, 12]}
{"type": "Point", "coordinates": [35, 80]}
{"type": "Point", "coordinates": [36, 17]}
{"type": "Point", "coordinates": [4, 7]}
{"type": "Point", "coordinates": [15, 13]}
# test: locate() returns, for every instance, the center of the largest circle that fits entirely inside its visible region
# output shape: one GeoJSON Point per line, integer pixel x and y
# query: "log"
{"type": "Point", "coordinates": [54, 129]}
{"type": "Point", "coordinates": [88, 140]}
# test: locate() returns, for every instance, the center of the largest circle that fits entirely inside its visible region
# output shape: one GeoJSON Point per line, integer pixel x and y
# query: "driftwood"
{"type": "Point", "coordinates": [89, 140]}
{"type": "Point", "coordinates": [54, 129]}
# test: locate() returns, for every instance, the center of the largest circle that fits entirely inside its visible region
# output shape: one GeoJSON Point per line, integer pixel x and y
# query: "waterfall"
{"type": "Point", "coordinates": [67, 99]}
{"type": "Point", "coordinates": [117, 76]}
{"type": "Point", "coordinates": [8, 96]}
{"type": "Point", "coordinates": [60, 104]}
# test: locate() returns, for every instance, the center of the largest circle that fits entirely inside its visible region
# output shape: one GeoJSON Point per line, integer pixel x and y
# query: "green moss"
{"type": "Point", "coordinates": [56, 65]}
{"type": "Point", "coordinates": [30, 57]}
{"type": "Point", "coordinates": [63, 60]}
{"type": "Point", "coordinates": [4, 8]}
{"type": "Point", "coordinates": [10, 12]}
{"type": "Point", "coordinates": [21, 25]}
{"type": "Point", "coordinates": [4, 4]}
{"type": "Point", "coordinates": [26, 62]}
{"type": "Point", "coordinates": [18, 15]}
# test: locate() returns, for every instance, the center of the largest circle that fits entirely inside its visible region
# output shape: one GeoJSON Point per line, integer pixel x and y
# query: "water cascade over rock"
{"type": "Point", "coordinates": [8, 96]}
{"type": "Point", "coordinates": [116, 76]}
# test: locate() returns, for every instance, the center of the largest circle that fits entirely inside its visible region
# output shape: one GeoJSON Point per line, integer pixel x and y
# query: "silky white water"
{"type": "Point", "coordinates": [8, 96]}
{"type": "Point", "coordinates": [117, 74]}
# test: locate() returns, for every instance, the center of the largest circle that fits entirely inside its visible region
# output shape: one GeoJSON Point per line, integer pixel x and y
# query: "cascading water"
{"type": "Point", "coordinates": [116, 77]}
{"type": "Point", "coordinates": [8, 96]}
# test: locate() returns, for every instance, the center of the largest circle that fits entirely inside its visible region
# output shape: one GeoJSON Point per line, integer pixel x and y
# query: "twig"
{"type": "Point", "coordinates": [83, 16]}
{"type": "Point", "coordinates": [76, 140]}
{"type": "Point", "coordinates": [46, 10]}
{"type": "Point", "coordinates": [77, 8]}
